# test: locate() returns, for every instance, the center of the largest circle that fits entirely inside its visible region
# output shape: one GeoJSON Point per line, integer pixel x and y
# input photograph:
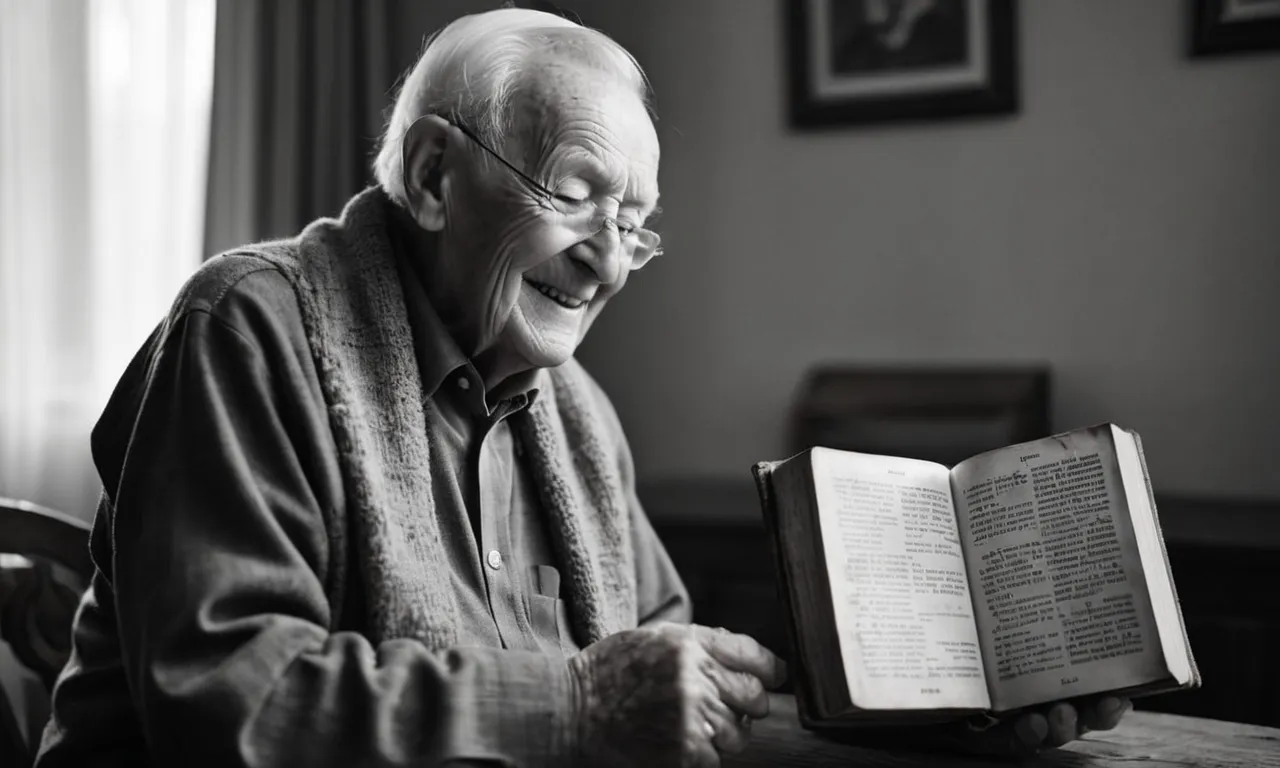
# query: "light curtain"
{"type": "Point", "coordinates": [300, 89]}
{"type": "Point", "coordinates": [104, 115]}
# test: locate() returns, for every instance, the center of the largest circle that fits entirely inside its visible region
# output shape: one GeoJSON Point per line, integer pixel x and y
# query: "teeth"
{"type": "Point", "coordinates": [558, 297]}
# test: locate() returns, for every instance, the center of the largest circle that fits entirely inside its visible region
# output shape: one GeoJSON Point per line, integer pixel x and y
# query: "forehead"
{"type": "Point", "coordinates": [582, 111]}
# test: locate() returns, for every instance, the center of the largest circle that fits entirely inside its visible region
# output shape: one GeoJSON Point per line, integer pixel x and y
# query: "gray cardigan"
{"type": "Point", "coordinates": [262, 460]}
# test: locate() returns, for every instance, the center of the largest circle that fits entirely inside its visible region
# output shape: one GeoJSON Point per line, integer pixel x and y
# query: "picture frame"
{"type": "Point", "coordinates": [1227, 27]}
{"type": "Point", "coordinates": [853, 62]}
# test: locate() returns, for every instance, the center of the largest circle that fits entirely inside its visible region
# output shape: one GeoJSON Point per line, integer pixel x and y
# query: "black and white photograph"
{"type": "Point", "coordinates": [620, 384]}
{"type": "Point", "coordinates": [1232, 27]}
{"type": "Point", "coordinates": [860, 61]}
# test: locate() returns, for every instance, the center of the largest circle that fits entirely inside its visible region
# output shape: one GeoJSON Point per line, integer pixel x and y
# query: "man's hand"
{"type": "Point", "coordinates": [1052, 726]}
{"type": "Point", "coordinates": [670, 694]}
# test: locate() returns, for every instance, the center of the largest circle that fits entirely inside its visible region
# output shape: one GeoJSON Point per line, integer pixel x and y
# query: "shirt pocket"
{"type": "Point", "coordinates": [550, 617]}
{"type": "Point", "coordinates": [550, 614]}
{"type": "Point", "coordinates": [564, 629]}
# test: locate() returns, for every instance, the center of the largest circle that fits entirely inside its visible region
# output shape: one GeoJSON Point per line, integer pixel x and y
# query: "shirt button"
{"type": "Point", "coordinates": [464, 383]}
{"type": "Point", "coordinates": [495, 559]}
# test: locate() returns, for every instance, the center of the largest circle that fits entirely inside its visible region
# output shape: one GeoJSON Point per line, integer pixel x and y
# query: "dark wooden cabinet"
{"type": "Point", "coordinates": [1232, 608]}
{"type": "Point", "coordinates": [1225, 558]}
{"type": "Point", "coordinates": [942, 414]}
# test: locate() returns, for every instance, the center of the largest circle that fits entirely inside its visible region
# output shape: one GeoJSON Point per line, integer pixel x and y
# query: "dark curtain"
{"type": "Point", "coordinates": [300, 89]}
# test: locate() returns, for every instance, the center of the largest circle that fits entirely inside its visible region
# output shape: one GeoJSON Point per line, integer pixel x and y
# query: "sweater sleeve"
{"type": "Point", "coordinates": [218, 570]}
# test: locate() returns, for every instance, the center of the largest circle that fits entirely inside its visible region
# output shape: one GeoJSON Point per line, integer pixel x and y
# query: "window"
{"type": "Point", "coordinates": [104, 115]}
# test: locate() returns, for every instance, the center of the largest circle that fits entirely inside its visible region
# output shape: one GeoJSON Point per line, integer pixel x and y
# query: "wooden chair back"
{"type": "Point", "coordinates": [41, 550]}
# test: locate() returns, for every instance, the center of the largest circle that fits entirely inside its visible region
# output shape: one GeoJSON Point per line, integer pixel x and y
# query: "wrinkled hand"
{"type": "Point", "coordinates": [670, 694]}
{"type": "Point", "coordinates": [1051, 726]}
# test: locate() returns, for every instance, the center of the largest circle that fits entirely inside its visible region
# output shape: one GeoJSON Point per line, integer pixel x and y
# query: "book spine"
{"type": "Point", "coordinates": [805, 709]}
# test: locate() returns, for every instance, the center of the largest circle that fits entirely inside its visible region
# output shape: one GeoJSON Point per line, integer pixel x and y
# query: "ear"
{"type": "Point", "coordinates": [425, 156]}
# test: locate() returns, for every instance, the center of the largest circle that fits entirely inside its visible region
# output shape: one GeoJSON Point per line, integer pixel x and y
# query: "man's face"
{"type": "Point", "coordinates": [524, 287]}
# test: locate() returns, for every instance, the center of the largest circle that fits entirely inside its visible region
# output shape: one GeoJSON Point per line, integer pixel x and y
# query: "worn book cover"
{"type": "Point", "coordinates": [917, 592]}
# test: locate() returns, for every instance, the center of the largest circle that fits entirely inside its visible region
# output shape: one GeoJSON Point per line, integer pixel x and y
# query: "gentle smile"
{"type": "Point", "coordinates": [559, 297]}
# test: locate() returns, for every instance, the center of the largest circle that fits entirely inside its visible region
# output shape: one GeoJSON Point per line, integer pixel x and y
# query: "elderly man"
{"type": "Point", "coordinates": [362, 507]}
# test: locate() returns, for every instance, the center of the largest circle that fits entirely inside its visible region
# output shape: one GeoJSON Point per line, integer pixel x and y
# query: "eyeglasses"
{"type": "Point", "coordinates": [581, 217]}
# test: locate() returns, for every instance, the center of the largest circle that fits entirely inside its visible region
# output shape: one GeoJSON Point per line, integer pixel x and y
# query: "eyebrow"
{"type": "Point", "coordinates": [600, 173]}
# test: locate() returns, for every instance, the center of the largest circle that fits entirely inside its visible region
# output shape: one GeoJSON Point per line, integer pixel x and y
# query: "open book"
{"type": "Point", "coordinates": [1025, 575]}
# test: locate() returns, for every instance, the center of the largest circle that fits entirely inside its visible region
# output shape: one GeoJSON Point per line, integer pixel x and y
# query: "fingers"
{"type": "Point", "coordinates": [1102, 714]}
{"type": "Point", "coordinates": [1063, 724]}
{"type": "Point", "coordinates": [706, 722]}
{"type": "Point", "coordinates": [731, 732]}
{"type": "Point", "coordinates": [1030, 731]}
{"type": "Point", "coordinates": [701, 754]}
{"type": "Point", "coordinates": [743, 692]}
{"type": "Point", "coordinates": [1060, 724]}
{"type": "Point", "coordinates": [742, 654]}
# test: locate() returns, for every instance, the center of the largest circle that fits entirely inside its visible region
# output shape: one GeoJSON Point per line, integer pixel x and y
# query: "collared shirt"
{"type": "Point", "coordinates": [480, 469]}
{"type": "Point", "coordinates": [203, 638]}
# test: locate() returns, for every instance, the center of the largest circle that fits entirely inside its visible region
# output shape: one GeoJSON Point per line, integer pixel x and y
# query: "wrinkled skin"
{"type": "Point", "coordinates": [584, 135]}
{"type": "Point", "coordinates": [665, 695]}
{"type": "Point", "coordinates": [646, 696]}
{"type": "Point", "coordinates": [671, 695]}
{"type": "Point", "coordinates": [1016, 735]}
{"type": "Point", "coordinates": [1041, 727]}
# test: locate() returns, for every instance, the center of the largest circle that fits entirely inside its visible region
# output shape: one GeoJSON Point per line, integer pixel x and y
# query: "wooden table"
{"type": "Point", "coordinates": [1143, 740]}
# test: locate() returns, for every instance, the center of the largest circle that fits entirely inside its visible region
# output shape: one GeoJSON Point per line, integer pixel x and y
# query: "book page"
{"type": "Point", "coordinates": [898, 583]}
{"type": "Point", "coordinates": [1059, 592]}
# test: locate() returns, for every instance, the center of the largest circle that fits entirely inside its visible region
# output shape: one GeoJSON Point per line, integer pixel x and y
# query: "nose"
{"type": "Point", "coordinates": [602, 253]}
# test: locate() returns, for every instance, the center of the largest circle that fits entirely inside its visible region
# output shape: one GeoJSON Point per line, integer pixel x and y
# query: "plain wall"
{"type": "Point", "coordinates": [1123, 228]}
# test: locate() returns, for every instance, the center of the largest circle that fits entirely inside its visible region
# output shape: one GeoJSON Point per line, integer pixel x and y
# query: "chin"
{"type": "Point", "coordinates": [548, 356]}
{"type": "Point", "coordinates": [543, 347]}
{"type": "Point", "coordinates": [545, 335]}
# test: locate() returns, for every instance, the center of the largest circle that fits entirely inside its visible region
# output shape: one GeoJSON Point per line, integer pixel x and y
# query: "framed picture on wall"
{"type": "Point", "coordinates": [868, 61]}
{"type": "Point", "coordinates": [1221, 27]}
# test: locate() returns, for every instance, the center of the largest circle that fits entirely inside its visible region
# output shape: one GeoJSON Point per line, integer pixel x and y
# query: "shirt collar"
{"type": "Point", "coordinates": [438, 353]}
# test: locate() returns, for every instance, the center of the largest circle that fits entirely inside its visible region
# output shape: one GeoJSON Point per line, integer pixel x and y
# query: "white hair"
{"type": "Point", "coordinates": [471, 70]}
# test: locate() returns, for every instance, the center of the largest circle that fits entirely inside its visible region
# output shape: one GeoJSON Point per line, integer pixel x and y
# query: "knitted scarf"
{"type": "Point", "coordinates": [358, 331]}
